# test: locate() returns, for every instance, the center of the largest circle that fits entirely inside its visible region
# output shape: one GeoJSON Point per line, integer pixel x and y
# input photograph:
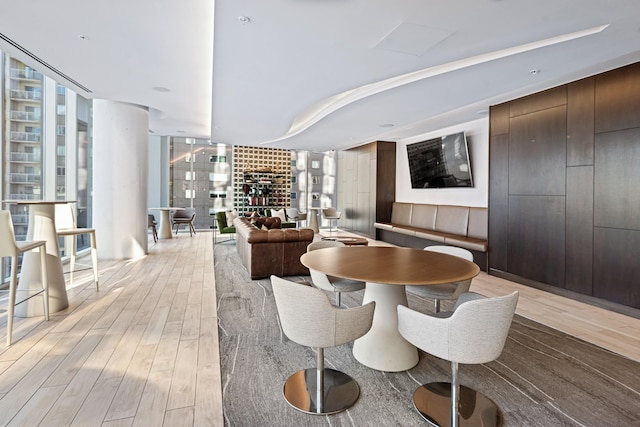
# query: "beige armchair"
{"type": "Point", "coordinates": [474, 332]}
{"type": "Point", "coordinates": [308, 318]}
{"type": "Point", "coordinates": [445, 291]}
{"type": "Point", "coordinates": [331, 214]}
{"type": "Point", "coordinates": [295, 215]}
{"type": "Point", "coordinates": [330, 283]}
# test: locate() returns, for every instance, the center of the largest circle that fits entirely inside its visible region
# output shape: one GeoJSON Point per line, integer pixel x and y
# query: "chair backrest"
{"type": "Point", "coordinates": [65, 217]}
{"type": "Point", "coordinates": [330, 212]}
{"type": "Point", "coordinates": [7, 235]}
{"type": "Point", "coordinates": [187, 213]}
{"type": "Point", "coordinates": [151, 220]}
{"type": "Point", "coordinates": [308, 318]}
{"type": "Point", "coordinates": [319, 279]}
{"type": "Point", "coordinates": [451, 250]}
{"type": "Point", "coordinates": [475, 332]}
{"type": "Point", "coordinates": [221, 218]}
{"type": "Point", "coordinates": [293, 213]}
{"type": "Point", "coordinates": [321, 244]}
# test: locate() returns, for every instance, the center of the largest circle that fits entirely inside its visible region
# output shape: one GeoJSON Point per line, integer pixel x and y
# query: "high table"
{"type": "Point", "coordinates": [164, 231]}
{"type": "Point", "coordinates": [41, 227]}
{"type": "Point", "coordinates": [312, 219]}
{"type": "Point", "coordinates": [386, 270]}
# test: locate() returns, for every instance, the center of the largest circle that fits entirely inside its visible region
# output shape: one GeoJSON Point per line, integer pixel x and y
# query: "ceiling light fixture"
{"type": "Point", "coordinates": [82, 37]}
{"type": "Point", "coordinates": [161, 89]}
{"type": "Point", "coordinates": [534, 71]}
{"type": "Point", "coordinates": [386, 125]}
{"type": "Point", "coordinates": [244, 19]}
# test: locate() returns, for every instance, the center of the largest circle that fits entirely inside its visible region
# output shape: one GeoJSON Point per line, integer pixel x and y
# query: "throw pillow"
{"type": "Point", "coordinates": [279, 214]}
{"type": "Point", "coordinates": [231, 215]}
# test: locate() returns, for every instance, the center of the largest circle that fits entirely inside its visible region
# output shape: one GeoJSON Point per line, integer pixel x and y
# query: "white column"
{"type": "Point", "coordinates": [120, 174]}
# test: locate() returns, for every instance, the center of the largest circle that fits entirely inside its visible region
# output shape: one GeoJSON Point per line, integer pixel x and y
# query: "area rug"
{"type": "Point", "coordinates": [543, 377]}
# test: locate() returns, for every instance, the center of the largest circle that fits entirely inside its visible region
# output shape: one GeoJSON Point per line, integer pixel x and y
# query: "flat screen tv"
{"type": "Point", "coordinates": [440, 162]}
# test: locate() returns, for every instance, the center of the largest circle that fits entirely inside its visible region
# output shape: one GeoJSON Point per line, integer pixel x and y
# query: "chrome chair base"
{"type": "Point", "coordinates": [340, 391]}
{"type": "Point", "coordinates": [433, 402]}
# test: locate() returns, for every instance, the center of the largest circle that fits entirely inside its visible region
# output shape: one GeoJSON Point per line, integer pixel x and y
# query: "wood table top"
{"type": "Point", "coordinates": [390, 265]}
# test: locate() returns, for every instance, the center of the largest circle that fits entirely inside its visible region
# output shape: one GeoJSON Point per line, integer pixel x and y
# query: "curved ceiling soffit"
{"type": "Point", "coordinates": [322, 109]}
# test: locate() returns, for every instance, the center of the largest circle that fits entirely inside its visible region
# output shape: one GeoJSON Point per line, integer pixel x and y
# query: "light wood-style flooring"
{"type": "Point", "coordinates": [144, 349]}
{"type": "Point", "coordinates": [141, 351]}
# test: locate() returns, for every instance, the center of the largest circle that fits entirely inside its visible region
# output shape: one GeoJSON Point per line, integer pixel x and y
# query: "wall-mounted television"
{"type": "Point", "coordinates": [440, 162]}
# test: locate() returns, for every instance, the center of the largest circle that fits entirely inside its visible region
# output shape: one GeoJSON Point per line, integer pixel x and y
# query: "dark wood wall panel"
{"type": "Point", "coordinates": [539, 101]}
{"type": "Point", "coordinates": [564, 187]}
{"type": "Point", "coordinates": [616, 268]}
{"type": "Point", "coordinates": [537, 238]}
{"type": "Point", "coordinates": [538, 152]}
{"type": "Point", "coordinates": [580, 122]}
{"type": "Point", "coordinates": [579, 224]}
{"type": "Point", "coordinates": [617, 179]}
{"type": "Point", "coordinates": [386, 183]}
{"type": "Point", "coordinates": [499, 119]}
{"type": "Point", "coordinates": [499, 202]}
{"type": "Point", "coordinates": [617, 96]}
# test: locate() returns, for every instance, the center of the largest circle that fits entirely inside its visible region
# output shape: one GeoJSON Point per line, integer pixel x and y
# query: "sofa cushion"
{"type": "Point", "coordinates": [279, 213]}
{"type": "Point", "coordinates": [478, 219]}
{"type": "Point", "coordinates": [267, 223]}
{"type": "Point", "coordinates": [452, 219]}
{"type": "Point", "coordinates": [401, 213]}
{"type": "Point", "coordinates": [424, 216]}
{"type": "Point", "coordinates": [230, 216]}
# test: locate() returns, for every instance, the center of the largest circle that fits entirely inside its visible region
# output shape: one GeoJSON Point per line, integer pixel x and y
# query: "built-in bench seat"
{"type": "Point", "coordinates": [419, 225]}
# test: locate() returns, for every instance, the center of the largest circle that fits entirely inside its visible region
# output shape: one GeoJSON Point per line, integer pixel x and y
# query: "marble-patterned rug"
{"type": "Point", "coordinates": [543, 377]}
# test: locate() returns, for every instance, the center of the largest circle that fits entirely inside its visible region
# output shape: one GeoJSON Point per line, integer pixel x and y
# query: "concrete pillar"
{"type": "Point", "coordinates": [120, 178]}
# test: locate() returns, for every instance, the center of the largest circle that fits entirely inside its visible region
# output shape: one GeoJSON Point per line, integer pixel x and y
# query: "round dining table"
{"type": "Point", "coordinates": [386, 271]}
{"type": "Point", "coordinates": [164, 230]}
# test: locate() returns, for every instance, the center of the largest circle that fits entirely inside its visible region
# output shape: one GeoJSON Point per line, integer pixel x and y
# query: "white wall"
{"type": "Point", "coordinates": [477, 133]}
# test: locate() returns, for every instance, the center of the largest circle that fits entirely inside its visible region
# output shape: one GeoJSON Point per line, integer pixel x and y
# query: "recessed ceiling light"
{"type": "Point", "coordinates": [387, 125]}
{"type": "Point", "coordinates": [244, 19]}
{"type": "Point", "coordinates": [83, 37]}
{"type": "Point", "coordinates": [161, 89]}
{"type": "Point", "coordinates": [534, 71]}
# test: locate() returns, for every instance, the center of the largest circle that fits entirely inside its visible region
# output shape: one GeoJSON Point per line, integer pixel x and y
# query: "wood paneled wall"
{"type": "Point", "coordinates": [564, 187]}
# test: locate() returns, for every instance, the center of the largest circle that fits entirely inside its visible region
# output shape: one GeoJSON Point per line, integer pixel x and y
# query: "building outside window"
{"type": "Point", "coordinates": [202, 182]}
{"type": "Point", "coordinates": [25, 168]}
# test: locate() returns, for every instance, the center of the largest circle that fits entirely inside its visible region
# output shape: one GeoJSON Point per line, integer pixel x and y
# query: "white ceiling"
{"type": "Point", "coordinates": [320, 74]}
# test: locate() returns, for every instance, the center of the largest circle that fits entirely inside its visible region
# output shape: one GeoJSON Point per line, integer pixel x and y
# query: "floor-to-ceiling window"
{"type": "Point", "coordinates": [200, 177]}
{"type": "Point", "coordinates": [36, 160]}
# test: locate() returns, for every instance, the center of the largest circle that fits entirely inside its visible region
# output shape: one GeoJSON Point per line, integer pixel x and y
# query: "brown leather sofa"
{"type": "Point", "coordinates": [275, 251]}
{"type": "Point", "coordinates": [419, 225]}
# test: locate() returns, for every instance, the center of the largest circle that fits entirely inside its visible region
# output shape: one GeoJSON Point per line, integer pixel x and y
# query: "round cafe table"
{"type": "Point", "coordinates": [386, 271]}
{"type": "Point", "coordinates": [164, 230]}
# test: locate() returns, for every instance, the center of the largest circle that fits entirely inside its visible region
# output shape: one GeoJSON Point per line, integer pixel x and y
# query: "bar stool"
{"type": "Point", "coordinates": [66, 226]}
{"type": "Point", "coordinates": [9, 247]}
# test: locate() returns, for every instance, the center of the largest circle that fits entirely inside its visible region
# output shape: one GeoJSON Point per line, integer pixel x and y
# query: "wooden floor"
{"type": "Point", "coordinates": [141, 351]}
{"type": "Point", "coordinates": [144, 349]}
